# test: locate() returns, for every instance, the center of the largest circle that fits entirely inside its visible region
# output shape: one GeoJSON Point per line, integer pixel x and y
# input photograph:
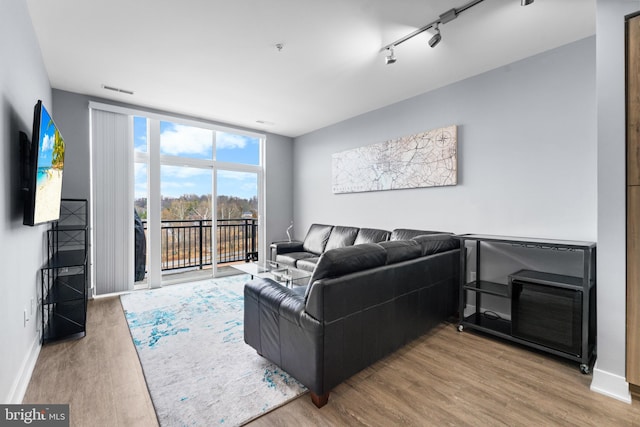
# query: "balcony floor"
{"type": "Point", "coordinates": [192, 275]}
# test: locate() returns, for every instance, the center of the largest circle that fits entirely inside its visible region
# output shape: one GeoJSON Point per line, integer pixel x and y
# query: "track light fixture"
{"type": "Point", "coordinates": [448, 16]}
{"type": "Point", "coordinates": [433, 41]}
{"type": "Point", "coordinates": [391, 57]}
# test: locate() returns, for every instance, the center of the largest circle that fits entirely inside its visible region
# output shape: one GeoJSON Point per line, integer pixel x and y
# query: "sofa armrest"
{"type": "Point", "coordinates": [285, 247]}
{"type": "Point", "coordinates": [263, 299]}
{"type": "Point", "coordinates": [273, 296]}
{"type": "Point", "coordinates": [278, 327]}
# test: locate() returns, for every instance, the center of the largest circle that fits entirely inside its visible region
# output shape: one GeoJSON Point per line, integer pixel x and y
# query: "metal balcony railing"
{"type": "Point", "coordinates": [187, 243]}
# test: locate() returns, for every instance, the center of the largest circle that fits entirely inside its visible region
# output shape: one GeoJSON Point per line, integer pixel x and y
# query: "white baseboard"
{"type": "Point", "coordinates": [611, 385]}
{"type": "Point", "coordinates": [19, 388]}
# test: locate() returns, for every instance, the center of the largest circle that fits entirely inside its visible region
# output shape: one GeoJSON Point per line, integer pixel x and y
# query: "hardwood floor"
{"type": "Point", "coordinates": [443, 378]}
{"type": "Point", "coordinates": [464, 379]}
{"type": "Point", "coordinates": [99, 376]}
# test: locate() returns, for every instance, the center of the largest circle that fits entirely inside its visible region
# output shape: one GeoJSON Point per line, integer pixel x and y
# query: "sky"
{"type": "Point", "coordinates": [47, 139]}
{"type": "Point", "coordinates": [197, 143]}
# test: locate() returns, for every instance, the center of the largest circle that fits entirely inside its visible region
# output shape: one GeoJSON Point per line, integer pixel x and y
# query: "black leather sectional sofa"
{"type": "Point", "coordinates": [322, 237]}
{"type": "Point", "coordinates": [363, 302]}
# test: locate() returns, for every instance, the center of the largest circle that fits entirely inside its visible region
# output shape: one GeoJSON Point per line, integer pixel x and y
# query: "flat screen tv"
{"type": "Point", "coordinates": [44, 164]}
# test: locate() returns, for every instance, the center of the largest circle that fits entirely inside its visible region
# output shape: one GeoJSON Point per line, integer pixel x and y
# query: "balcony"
{"type": "Point", "coordinates": [186, 245]}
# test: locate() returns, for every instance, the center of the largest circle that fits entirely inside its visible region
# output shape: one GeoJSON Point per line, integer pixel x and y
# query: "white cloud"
{"type": "Point", "coordinates": [179, 180]}
{"type": "Point", "coordinates": [47, 142]}
{"type": "Point", "coordinates": [184, 172]}
{"type": "Point", "coordinates": [237, 176]}
{"type": "Point", "coordinates": [140, 171]}
{"type": "Point", "coordinates": [230, 141]}
{"type": "Point", "coordinates": [240, 184]}
{"type": "Point", "coordinates": [181, 140]}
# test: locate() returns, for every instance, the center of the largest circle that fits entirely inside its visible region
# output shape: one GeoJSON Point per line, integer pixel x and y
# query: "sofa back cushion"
{"type": "Point", "coordinates": [336, 263]}
{"type": "Point", "coordinates": [401, 250]}
{"type": "Point", "coordinates": [317, 238]}
{"type": "Point", "coordinates": [407, 233]}
{"type": "Point", "coordinates": [340, 261]}
{"type": "Point", "coordinates": [436, 243]}
{"type": "Point", "coordinates": [341, 237]}
{"type": "Point", "coordinates": [371, 235]}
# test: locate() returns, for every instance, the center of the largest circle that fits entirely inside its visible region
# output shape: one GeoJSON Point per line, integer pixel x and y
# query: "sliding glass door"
{"type": "Point", "coordinates": [237, 214]}
{"type": "Point", "coordinates": [186, 240]}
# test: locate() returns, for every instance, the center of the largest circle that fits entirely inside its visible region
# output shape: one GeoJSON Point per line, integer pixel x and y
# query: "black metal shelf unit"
{"type": "Point", "coordinates": [549, 312]}
{"type": "Point", "coordinates": [64, 276]}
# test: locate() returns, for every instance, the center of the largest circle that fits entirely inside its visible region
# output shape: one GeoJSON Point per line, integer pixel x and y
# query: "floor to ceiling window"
{"type": "Point", "coordinates": [197, 196]}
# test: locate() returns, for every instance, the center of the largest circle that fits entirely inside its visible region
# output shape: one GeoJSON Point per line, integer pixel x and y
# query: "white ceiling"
{"type": "Point", "coordinates": [218, 60]}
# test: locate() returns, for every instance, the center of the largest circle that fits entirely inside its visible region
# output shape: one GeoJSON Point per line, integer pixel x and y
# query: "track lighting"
{"type": "Point", "coordinates": [433, 41]}
{"type": "Point", "coordinates": [444, 18]}
{"type": "Point", "coordinates": [391, 57]}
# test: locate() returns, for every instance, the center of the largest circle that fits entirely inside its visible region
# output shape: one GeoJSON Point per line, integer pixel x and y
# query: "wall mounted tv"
{"type": "Point", "coordinates": [43, 163]}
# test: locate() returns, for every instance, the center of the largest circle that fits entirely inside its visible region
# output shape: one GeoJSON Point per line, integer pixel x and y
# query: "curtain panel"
{"type": "Point", "coordinates": [112, 201]}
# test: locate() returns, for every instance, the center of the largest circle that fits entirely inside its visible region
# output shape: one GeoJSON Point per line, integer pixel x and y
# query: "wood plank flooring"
{"type": "Point", "coordinates": [99, 376]}
{"type": "Point", "coordinates": [444, 378]}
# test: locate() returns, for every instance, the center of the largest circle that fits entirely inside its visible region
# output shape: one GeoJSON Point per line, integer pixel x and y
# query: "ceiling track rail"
{"type": "Point", "coordinates": [448, 16]}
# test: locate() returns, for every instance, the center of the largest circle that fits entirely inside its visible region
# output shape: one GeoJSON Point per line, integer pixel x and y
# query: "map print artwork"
{"type": "Point", "coordinates": [427, 159]}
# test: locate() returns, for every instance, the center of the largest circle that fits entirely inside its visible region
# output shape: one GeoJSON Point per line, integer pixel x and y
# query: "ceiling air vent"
{"type": "Point", "coordinates": [117, 89]}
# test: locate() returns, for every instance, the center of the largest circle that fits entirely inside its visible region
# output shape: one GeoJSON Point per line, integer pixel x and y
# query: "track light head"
{"type": "Point", "coordinates": [391, 57]}
{"type": "Point", "coordinates": [433, 41]}
{"type": "Point", "coordinates": [525, 2]}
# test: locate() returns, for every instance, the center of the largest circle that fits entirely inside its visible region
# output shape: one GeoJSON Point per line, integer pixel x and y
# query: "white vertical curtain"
{"type": "Point", "coordinates": [112, 200]}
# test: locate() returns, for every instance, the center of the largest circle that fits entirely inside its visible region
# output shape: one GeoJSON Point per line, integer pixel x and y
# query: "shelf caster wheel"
{"type": "Point", "coordinates": [460, 328]}
{"type": "Point", "coordinates": [584, 368]}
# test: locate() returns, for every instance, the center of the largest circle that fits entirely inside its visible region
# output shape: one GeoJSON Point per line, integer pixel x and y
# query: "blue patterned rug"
{"type": "Point", "coordinates": [199, 370]}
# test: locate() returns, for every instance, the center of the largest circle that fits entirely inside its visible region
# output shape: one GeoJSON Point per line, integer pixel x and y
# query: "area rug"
{"type": "Point", "coordinates": [199, 370]}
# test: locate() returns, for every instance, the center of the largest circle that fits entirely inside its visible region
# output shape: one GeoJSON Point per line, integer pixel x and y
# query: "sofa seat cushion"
{"type": "Point", "coordinates": [371, 235]}
{"type": "Point", "coordinates": [408, 233]}
{"type": "Point", "coordinates": [316, 239]}
{"type": "Point", "coordinates": [401, 250]}
{"type": "Point", "coordinates": [340, 237]}
{"type": "Point", "coordinates": [307, 264]}
{"type": "Point", "coordinates": [436, 243]}
{"type": "Point", "coordinates": [292, 258]}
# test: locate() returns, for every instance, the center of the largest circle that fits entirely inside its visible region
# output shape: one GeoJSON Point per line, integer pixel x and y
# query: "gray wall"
{"type": "Point", "coordinates": [23, 80]}
{"type": "Point", "coordinates": [527, 154]}
{"type": "Point", "coordinates": [279, 187]}
{"type": "Point", "coordinates": [609, 375]}
{"type": "Point", "coordinates": [72, 115]}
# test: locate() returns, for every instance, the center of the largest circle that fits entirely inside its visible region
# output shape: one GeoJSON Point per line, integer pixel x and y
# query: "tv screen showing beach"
{"type": "Point", "coordinates": [49, 174]}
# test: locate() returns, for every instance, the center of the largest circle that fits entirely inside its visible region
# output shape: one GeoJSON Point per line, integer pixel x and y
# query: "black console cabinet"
{"type": "Point", "coordinates": [547, 311]}
{"type": "Point", "coordinates": [64, 277]}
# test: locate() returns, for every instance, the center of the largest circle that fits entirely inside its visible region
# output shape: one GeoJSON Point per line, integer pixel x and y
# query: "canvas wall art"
{"type": "Point", "coordinates": [426, 159]}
